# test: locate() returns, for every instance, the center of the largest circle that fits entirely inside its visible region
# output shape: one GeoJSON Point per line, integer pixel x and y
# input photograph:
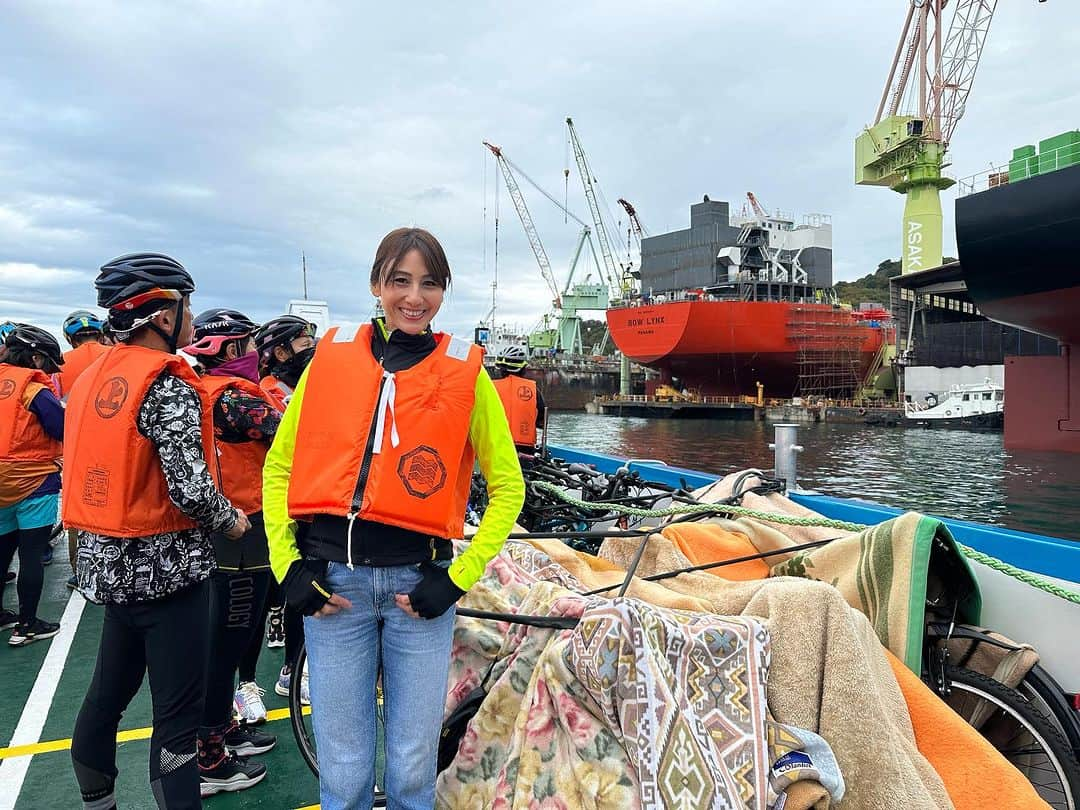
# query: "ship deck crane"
{"type": "Point", "coordinates": [635, 222]}
{"type": "Point", "coordinates": [568, 301]}
{"type": "Point", "coordinates": [618, 280]}
{"type": "Point", "coordinates": [905, 150]}
{"type": "Point", "coordinates": [757, 207]}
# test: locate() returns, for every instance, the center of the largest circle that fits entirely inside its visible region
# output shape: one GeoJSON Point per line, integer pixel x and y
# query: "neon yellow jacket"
{"type": "Point", "coordinates": [489, 435]}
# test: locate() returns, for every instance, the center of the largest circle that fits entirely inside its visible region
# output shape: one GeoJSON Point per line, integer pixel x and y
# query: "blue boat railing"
{"type": "Point", "coordinates": [1041, 554]}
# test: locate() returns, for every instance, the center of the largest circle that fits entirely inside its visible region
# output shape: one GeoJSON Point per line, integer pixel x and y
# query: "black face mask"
{"type": "Point", "coordinates": [295, 365]}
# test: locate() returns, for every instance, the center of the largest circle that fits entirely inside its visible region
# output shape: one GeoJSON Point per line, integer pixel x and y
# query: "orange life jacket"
{"type": "Point", "coordinates": [76, 362]}
{"type": "Point", "coordinates": [239, 463]}
{"type": "Point", "coordinates": [518, 397]}
{"type": "Point", "coordinates": [22, 437]}
{"type": "Point", "coordinates": [113, 483]}
{"type": "Point", "coordinates": [278, 391]}
{"type": "Point", "coordinates": [419, 469]}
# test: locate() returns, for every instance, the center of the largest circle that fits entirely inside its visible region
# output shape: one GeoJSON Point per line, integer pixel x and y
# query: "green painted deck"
{"type": "Point", "coordinates": [49, 781]}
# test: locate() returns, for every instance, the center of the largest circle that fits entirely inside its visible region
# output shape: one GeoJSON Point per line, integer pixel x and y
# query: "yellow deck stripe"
{"type": "Point", "coordinates": [124, 736]}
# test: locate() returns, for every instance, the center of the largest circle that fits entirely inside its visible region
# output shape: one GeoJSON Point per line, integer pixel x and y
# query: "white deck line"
{"type": "Point", "coordinates": [32, 721]}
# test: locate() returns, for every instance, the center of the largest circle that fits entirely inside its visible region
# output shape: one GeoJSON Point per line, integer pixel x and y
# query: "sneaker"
{"type": "Point", "coordinates": [73, 583]}
{"type": "Point", "coordinates": [46, 558]}
{"type": "Point", "coordinates": [37, 630]}
{"type": "Point", "coordinates": [231, 774]}
{"type": "Point", "coordinates": [8, 619]}
{"type": "Point", "coordinates": [246, 740]}
{"type": "Point", "coordinates": [248, 703]}
{"type": "Point", "coordinates": [275, 627]}
{"type": "Point", "coordinates": [285, 679]}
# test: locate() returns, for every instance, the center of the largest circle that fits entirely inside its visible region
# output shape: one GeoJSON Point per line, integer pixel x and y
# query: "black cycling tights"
{"type": "Point", "coordinates": [237, 604]}
{"type": "Point", "coordinates": [31, 544]}
{"type": "Point", "coordinates": [167, 638]}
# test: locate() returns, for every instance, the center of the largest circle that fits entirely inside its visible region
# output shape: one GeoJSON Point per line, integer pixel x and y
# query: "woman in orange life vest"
{"type": "Point", "coordinates": [245, 420]}
{"type": "Point", "coordinates": [31, 444]}
{"type": "Point", "coordinates": [376, 448]}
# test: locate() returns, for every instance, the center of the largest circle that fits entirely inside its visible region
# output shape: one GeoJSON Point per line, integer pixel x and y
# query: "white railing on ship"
{"type": "Point", "coordinates": [1043, 162]}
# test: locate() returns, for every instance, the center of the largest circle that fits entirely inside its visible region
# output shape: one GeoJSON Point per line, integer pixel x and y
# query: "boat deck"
{"type": "Point", "coordinates": [43, 687]}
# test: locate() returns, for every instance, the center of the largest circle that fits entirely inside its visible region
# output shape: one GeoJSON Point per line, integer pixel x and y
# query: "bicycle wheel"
{"type": "Point", "coordinates": [304, 732]}
{"type": "Point", "coordinates": [1020, 732]}
{"type": "Point", "coordinates": [1040, 688]}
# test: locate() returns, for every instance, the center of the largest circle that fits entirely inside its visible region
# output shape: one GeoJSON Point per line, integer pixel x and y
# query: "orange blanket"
{"type": "Point", "coordinates": [975, 774]}
{"type": "Point", "coordinates": [702, 543]}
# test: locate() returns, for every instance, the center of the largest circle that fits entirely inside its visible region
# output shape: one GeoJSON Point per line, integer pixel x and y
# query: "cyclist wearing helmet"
{"type": "Point", "coordinates": [286, 346]}
{"type": "Point", "coordinates": [31, 444]}
{"type": "Point", "coordinates": [6, 328]}
{"type": "Point", "coordinates": [384, 474]}
{"type": "Point", "coordinates": [245, 420]}
{"type": "Point", "coordinates": [140, 490]}
{"type": "Point", "coordinates": [84, 331]}
{"type": "Point", "coordinates": [521, 399]}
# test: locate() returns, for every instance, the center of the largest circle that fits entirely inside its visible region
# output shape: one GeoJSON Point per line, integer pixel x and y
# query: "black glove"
{"type": "Point", "coordinates": [304, 588]}
{"type": "Point", "coordinates": [435, 593]}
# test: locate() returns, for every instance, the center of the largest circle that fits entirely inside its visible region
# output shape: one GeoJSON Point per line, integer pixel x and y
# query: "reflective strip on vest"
{"type": "Point", "coordinates": [518, 396]}
{"type": "Point", "coordinates": [418, 474]}
{"type": "Point", "coordinates": [113, 483]}
{"type": "Point", "coordinates": [22, 437]}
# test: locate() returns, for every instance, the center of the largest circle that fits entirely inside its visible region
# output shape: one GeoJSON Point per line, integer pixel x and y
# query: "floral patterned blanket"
{"type": "Point", "coordinates": [639, 706]}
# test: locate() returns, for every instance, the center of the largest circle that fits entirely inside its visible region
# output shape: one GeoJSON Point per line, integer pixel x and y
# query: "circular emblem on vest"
{"type": "Point", "coordinates": [111, 397]}
{"type": "Point", "coordinates": [7, 388]}
{"type": "Point", "coordinates": [422, 471]}
{"type": "Point", "coordinates": [524, 392]}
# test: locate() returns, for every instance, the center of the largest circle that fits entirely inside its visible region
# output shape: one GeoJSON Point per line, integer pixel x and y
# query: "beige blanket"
{"type": "Point", "coordinates": [829, 674]}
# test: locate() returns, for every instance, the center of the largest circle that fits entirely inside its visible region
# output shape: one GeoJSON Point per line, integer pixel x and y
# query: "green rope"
{"type": "Point", "coordinates": [1034, 580]}
{"type": "Point", "coordinates": [697, 509]}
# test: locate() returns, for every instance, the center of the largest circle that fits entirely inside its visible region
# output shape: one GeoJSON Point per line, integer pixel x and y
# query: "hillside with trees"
{"type": "Point", "coordinates": [873, 286]}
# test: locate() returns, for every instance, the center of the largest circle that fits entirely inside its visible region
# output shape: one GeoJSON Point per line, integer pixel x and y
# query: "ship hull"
{"type": "Point", "coordinates": [728, 347]}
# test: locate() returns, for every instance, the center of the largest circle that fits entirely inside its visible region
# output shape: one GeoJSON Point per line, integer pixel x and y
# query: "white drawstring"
{"type": "Point", "coordinates": [386, 402]}
{"type": "Point", "coordinates": [348, 540]}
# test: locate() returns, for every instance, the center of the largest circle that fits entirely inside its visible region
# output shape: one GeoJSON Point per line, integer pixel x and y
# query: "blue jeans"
{"type": "Point", "coordinates": [344, 653]}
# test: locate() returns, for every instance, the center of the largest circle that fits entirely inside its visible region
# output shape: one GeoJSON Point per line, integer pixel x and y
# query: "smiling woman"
{"type": "Point", "coordinates": [376, 450]}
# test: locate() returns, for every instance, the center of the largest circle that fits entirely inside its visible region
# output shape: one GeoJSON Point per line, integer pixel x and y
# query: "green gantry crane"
{"type": "Point", "coordinates": [923, 100]}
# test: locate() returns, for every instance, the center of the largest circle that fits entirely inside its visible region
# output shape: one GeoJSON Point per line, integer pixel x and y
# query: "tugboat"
{"type": "Point", "coordinates": [975, 406]}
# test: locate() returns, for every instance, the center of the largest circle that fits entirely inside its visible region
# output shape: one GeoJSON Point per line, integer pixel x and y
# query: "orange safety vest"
{"type": "Point", "coordinates": [113, 483]}
{"type": "Point", "coordinates": [22, 437]}
{"type": "Point", "coordinates": [276, 389]}
{"type": "Point", "coordinates": [239, 463]}
{"type": "Point", "coordinates": [518, 397]}
{"type": "Point", "coordinates": [76, 362]}
{"type": "Point", "coordinates": [418, 472]}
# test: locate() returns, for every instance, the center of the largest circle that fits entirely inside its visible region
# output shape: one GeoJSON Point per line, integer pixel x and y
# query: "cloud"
{"type": "Point", "coordinates": [234, 136]}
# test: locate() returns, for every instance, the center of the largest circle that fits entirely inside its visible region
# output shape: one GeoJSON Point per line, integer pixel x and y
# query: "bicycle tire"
{"type": "Point", "coordinates": [1020, 732]}
{"type": "Point", "coordinates": [1040, 688]}
{"type": "Point", "coordinates": [304, 740]}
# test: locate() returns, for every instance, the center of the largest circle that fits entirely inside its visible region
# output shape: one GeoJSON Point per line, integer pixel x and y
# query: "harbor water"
{"type": "Point", "coordinates": [952, 473]}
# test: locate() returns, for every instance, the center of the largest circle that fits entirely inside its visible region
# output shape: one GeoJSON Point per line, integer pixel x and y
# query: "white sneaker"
{"type": "Point", "coordinates": [249, 704]}
{"type": "Point", "coordinates": [285, 679]}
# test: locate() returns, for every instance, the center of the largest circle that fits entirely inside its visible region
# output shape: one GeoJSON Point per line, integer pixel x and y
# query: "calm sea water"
{"type": "Point", "coordinates": [952, 473]}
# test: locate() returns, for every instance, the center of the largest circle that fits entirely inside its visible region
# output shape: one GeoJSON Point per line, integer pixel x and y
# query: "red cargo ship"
{"type": "Point", "coordinates": [727, 347]}
{"type": "Point", "coordinates": [736, 301]}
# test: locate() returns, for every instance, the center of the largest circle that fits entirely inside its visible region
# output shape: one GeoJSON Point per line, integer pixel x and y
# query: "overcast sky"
{"type": "Point", "coordinates": [233, 135]}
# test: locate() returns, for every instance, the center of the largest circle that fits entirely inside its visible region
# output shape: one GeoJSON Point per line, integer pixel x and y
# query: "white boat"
{"type": "Point", "coordinates": [979, 406]}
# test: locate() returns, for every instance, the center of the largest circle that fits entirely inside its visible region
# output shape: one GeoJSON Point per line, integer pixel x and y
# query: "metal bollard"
{"type": "Point", "coordinates": [785, 452]}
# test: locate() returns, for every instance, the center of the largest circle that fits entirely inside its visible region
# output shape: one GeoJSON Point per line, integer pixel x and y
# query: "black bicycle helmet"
{"type": "Point", "coordinates": [25, 340]}
{"type": "Point", "coordinates": [280, 331]}
{"type": "Point", "coordinates": [216, 327]}
{"type": "Point", "coordinates": [135, 284]}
